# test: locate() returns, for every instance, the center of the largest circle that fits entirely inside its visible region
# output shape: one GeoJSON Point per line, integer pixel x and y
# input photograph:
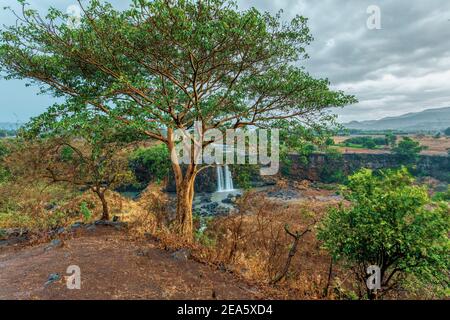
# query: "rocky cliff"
{"type": "Point", "coordinates": [322, 167]}
{"type": "Point", "coordinates": [327, 168]}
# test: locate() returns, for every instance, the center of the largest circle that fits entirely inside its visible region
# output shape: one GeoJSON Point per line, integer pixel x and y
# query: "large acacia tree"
{"type": "Point", "coordinates": [169, 63]}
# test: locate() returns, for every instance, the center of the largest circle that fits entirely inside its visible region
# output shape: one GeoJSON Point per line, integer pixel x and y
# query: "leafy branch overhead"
{"type": "Point", "coordinates": [168, 63]}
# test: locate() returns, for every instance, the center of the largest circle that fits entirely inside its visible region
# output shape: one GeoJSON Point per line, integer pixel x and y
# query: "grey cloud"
{"type": "Point", "coordinates": [403, 67]}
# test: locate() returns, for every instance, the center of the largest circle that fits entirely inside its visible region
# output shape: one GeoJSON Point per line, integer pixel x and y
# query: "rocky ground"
{"type": "Point", "coordinates": [112, 267]}
{"type": "Point", "coordinates": [218, 204]}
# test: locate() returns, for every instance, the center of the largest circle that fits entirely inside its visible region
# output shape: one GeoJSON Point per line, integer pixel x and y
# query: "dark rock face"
{"type": "Point", "coordinates": [206, 181]}
{"type": "Point", "coordinates": [319, 164]}
{"type": "Point", "coordinates": [324, 168]}
{"type": "Point", "coordinates": [91, 228]}
{"type": "Point", "coordinates": [207, 205]}
{"type": "Point", "coordinates": [76, 225]}
{"type": "Point", "coordinates": [116, 224]}
{"type": "Point", "coordinates": [222, 211]}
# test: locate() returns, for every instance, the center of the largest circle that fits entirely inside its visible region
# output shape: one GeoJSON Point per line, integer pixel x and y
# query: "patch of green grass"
{"type": "Point", "coordinates": [15, 220]}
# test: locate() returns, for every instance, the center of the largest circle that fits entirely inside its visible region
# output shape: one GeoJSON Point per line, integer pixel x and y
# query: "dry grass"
{"type": "Point", "coordinates": [253, 243]}
{"type": "Point", "coordinates": [435, 146]}
{"type": "Point", "coordinates": [28, 206]}
{"type": "Point", "coordinates": [40, 207]}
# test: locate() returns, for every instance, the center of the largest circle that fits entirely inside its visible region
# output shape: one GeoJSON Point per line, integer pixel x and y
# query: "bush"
{"type": "Point", "coordinates": [151, 164]}
{"type": "Point", "coordinates": [7, 133]}
{"type": "Point", "coordinates": [393, 224]}
{"type": "Point", "coordinates": [369, 144]}
{"type": "Point", "coordinates": [85, 212]}
{"type": "Point", "coordinates": [408, 150]}
{"type": "Point", "coordinates": [332, 172]}
{"type": "Point", "coordinates": [244, 174]}
{"type": "Point", "coordinates": [390, 139]}
{"type": "Point", "coordinates": [366, 142]}
{"type": "Point", "coordinates": [329, 141]}
{"type": "Point", "coordinates": [442, 196]}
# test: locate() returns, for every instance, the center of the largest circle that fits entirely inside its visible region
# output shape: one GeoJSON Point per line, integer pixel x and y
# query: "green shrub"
{"type": "Point", "coordinates": [332, 171]}
{"type": "Point", "coordinates": [151, 164]}
{"type": "Point", "coordinates": [85, 212]}
{"type": "Point", "coordinates": [442, 196]}
{"type": "Point", "coordinates": [244, 174]}
{"type": "Point", "coordinates": [408, 150]}
{"type": "Point", "coordinates": [369, 144]}
{"type": "Point", "coordinates": [366, 142]}
{"type": "Point", "coordinates": [391, 223]}
{"type": "Point", "coordinates": [67, 153]}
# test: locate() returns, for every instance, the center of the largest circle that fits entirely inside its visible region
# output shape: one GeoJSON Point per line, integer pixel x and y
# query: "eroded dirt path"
{"type": "Point", "coordinates": [111, 268]}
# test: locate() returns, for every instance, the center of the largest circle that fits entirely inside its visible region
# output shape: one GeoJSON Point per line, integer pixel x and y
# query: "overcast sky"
{"type": "Point", "coordinates": [402, 67]}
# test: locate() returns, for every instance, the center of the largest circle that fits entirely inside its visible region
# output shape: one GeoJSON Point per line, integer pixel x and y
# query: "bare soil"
{"type": "Point", "coordinates": [113, 267]}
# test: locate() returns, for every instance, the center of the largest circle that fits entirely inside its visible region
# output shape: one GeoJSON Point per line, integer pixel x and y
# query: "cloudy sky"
{"type": "Point", "coordinates": [402, 67]}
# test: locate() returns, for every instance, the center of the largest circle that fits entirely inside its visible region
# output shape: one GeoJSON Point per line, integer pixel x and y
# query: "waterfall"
{"type": "Point", "coordinates": [220, 186]}
{"type": "Point", "coordinates": [228, 179]}
{"type": "Point", "coordinates": [224, 179]}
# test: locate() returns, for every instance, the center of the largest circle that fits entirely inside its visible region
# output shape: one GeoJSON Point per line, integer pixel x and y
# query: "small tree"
{"type": "Point", "coordinates": [391, 139]}
{"type": "Point", "coordinates": [369, 144]}
{"type": "Point", "coordinates": [88, 157]}
{"type": "Point", "coordinates": [392, 224]}
{"type": "Point", "coordinates": [408, 150]}
{"type": "Point", "coordinates": [447, 132]}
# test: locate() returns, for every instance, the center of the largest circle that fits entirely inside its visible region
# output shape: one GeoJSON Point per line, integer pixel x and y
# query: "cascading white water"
{"type": "Point", "coordinates": [224, 179]}
{"type": "Point", "coordinates": [228, 179]}
{"type": "Point", "coordinates": [220, 186]}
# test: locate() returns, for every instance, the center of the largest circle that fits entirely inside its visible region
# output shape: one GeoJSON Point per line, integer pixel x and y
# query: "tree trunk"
{"type": "Point", "coordinates": [185, 196]}
{"type": "Point", "coordinates": [185, 192]}
{"type": "Point", "coordinates": [105, 209]}
{"type": "Point", "coordinates": [330, 275]}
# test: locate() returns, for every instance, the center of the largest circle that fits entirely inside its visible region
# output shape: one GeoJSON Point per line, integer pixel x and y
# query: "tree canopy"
{"type": "Point", "coordinates": [168, 63]}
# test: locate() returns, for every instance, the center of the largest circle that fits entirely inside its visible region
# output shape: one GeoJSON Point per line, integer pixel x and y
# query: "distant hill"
{"type": "Point", "coordinates": [427, 120]}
